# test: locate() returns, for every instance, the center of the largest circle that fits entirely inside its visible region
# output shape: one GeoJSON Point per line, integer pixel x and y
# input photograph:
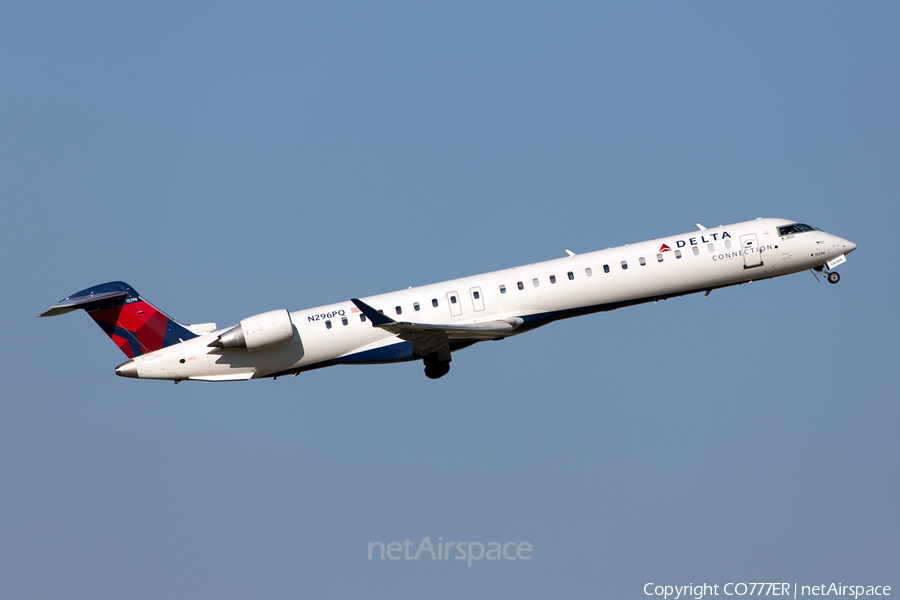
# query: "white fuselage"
{"type": "Point", "coordinates": [535, 294]}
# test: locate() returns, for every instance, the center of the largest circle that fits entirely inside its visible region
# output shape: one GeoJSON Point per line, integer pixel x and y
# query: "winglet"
{"type": "Point", "coordinates": [373, 315]}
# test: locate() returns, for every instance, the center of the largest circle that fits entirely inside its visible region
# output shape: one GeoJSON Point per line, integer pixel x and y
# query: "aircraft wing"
{"type": "Point", "coordinates": [427, 338]}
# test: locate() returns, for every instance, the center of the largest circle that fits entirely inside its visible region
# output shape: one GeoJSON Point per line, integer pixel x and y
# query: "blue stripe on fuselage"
{"type": "Point", "coordinates": [392, 353]}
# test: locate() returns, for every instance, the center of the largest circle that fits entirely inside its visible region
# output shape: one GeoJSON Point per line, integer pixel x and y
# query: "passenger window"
{"type": "Point", "coordinates": [416, 306]}
{"type": "Point", "coordinates": [476, 295]}
{"type": "Point", "coordinates": [588, 272]}
{"type": "Point", "coordinates": [434, 302]}
{"type": "Point", "coordinates": [327, 324]}
{"type": "Point", "coordinates": [502, 289]}
{"type": "Point", "coordinates": [521, 285]}
{"type": "Point", "coordinates": [624, 265]}
{"type": "Point", "coordinates": [678, 254]}
{"type": "Point", "coordinates": [606, 268]}
{"type": "Point", "coordinates": [642, 261]}
{"type": "Point", "coordinates": [362, 318]}
{"type": "Point", "coordinates": [728, 244]}
{"type": "Point", "coordinates": [711, 247]}
{"type": "Point", "coordinates": [553, 279]}
{"type": "Point", "coordinates": [659, 258]}
{"type": "Point", "coordinates": [536, 282]}
{"type": "Point", "coordinates": [399, 310]}
{"type": "Point", "coordinates": [571, 275]}
{"type": "Point", "coordinates": [344, 321]}
{"type": "Point", "coordinates": [696, 251]}
{"type": "Point", "coordinates": [452, 299]}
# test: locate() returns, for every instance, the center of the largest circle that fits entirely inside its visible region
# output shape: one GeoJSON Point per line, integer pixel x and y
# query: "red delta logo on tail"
{"type": "Point", "coordinates": [133, 324]}
{"type": "Point", "coordinates": [135, 327]}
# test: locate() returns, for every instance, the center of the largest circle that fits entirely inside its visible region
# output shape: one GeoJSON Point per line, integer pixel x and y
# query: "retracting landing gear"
{"type": "Point", "coordinates": [830, 276]}
{"type": "Point", "coordinates": [437, 370]}
{"type": "Point", "coordinates": [437, 364]}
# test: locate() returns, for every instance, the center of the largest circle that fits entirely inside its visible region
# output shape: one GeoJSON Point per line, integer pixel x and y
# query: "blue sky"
{"type": "Point", "coordinates": [229, 159]}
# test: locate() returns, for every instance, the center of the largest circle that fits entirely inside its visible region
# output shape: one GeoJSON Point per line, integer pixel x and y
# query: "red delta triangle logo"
{"type": "Point", "coordinates": [664, 248]}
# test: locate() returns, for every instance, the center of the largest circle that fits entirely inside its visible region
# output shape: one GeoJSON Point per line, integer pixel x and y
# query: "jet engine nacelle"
{"type": "Point", "coordinates": [260, 331]}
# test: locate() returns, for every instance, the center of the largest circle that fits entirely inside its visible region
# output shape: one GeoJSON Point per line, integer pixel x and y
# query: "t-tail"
{"type": "Point", "coordinates": [136, 326]}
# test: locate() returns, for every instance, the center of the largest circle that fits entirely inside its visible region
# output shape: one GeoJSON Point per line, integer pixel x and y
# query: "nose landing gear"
{"type": "Point", "coordinates": [830, 276]}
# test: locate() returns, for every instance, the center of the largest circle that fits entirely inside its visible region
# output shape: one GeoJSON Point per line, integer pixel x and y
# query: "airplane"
{"type": "Point", "coordinates": [430, 322]}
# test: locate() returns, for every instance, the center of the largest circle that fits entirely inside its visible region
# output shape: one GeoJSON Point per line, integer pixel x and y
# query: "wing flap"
{"type": "Point", "coordinates": [427, 338]}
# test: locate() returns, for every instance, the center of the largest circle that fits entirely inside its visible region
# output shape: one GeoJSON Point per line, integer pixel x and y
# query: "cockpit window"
{"type": "Point", "coordinates": [795, 228]}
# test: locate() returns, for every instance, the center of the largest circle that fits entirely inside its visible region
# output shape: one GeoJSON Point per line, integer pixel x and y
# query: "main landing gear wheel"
{"type": "Point", "coordinates": [437, 370]}
{"type": "Point", "coordinates": [437, 364]}
{"type": "Point", "coordinates": [833, 277]}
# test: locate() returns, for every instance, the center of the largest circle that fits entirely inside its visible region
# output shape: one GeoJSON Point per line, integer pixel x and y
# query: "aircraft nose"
{"type": "Point", "coordinates": [127, 369]}
{"type": "Point", "coordinates": [848, 246]}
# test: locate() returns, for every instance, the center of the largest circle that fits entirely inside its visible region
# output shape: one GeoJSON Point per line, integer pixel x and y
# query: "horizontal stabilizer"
{"type": "Point", "coordinates": [75, 302]}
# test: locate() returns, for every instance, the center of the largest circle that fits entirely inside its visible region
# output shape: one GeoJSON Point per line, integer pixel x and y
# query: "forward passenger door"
{"type": "Point", "coordinates": [750, 249]}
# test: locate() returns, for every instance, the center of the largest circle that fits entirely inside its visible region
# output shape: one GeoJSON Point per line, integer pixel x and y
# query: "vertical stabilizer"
{"type": "Point", "coordinates": [135, 325]}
